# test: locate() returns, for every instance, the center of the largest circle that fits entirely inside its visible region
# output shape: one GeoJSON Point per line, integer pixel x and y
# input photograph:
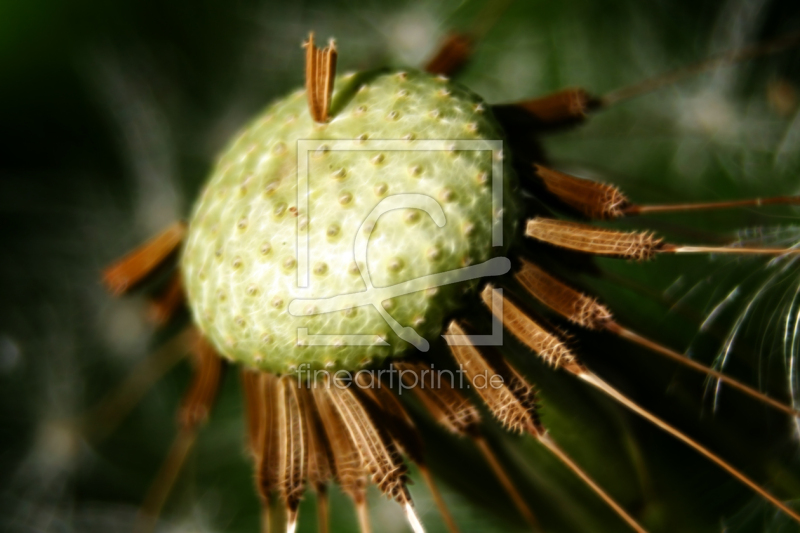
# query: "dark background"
{"type": "Point", "coordinates": [111, 114]}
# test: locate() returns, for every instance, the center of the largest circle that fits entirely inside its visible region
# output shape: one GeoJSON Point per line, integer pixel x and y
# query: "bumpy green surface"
{"type": "Point", "coordinates": [240, 262]}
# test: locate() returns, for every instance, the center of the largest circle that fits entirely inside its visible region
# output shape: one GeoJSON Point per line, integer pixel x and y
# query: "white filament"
{"type": "Point", "coordinates": [413, 519]}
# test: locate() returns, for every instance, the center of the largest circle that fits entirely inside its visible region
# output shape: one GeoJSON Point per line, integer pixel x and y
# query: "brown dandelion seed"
{"type": "Point", "coordinates": [320, 459]}
{"type": "Point", "coordinates": [299, 436]}
{"type": "Point", "coordinates": [586, 311]}
{"type": "Point", "coordinates": [348, 467]}
{"type": "Point", "coordinates": [580, 237]}
{"type": "Point", "coordinates": [293, 450]}
{"type": "Point", "coordinates": [595, 200]}
{"type": "Point", "coordinates": [510, 399]}
{"type": "Point", "coordinates": [127, 272]}
{"type": "Point", "coordinates": [378, 453]}
{"type": "Point", "coordinates": [552, 349]}
{"type": "Point", "coordinates": [573, 305]}
{"type": "Point", "coordinates": [192, 413]}
{"type": "Point", "coordinates": [453, 411]}
{"type": "Point", "coordinates": [513, 402]}
{"type": "Point", "coordinates": [452, 54]}
{"type": "Point", "coordinates": [406, 437]}
{"type": "Point", "coordinates": [636, 245]}
{"type": "Point", "coordinates": [167, 304]}
{"type": "Point", "coordinates": [320, 73]}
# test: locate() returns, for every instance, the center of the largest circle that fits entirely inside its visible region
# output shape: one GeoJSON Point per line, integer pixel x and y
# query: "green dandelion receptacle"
{"type": "Point", "coordinates": [367, 207]}
{"type": "Point", "coordinates": [240, 262]}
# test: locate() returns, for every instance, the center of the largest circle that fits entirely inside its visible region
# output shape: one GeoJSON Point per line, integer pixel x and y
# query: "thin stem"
{"type": "Point", "coordinates": [276, 517]}
{"type": "Point", "coordinates": [104, 417]}
{"type": "Point", "coordinates": [438, 500]}
{"type": "Point", "coordinates": [683, 249]}
{"type": "Point", "coordinates": [725, 59]}
{"type": "Point", "coordinates": [291, 520]}
{"type": "Point", "coordinates": [322, 510]}
{"type": "Point", "coordinates": [551, 445]}
{"type": "Point", "coordinates": [672, 208]}
{"type": "Point", "coordinates": [413, 519]}
{"type": "Point", "coordinates": [363, 516]}
{"type": "Point", "coordinates": [508, 485]}
{"type": "Point", "coordinates": [165, 480]}
{"type": "Point", "coordinates": [266, 516]}
{"type": "Point", "coordinates": [489, 16]}
{"type": "Point", "coordinates": [617, 329]}
{"type": "Point", "coordinates": [595, 381]}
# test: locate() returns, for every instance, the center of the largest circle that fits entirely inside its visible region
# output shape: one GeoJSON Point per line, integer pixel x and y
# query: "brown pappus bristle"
{"type": "Point", "coordinates": [406, 437]}
{"type": "Point", "coordinates": [446, 404]}
{"type": "Point", "coordinates": [583, 238]}
{"type": "Point", "coordinates": [505, 392]}
{"type": "Point", "coordinates": [251, 386]}
{"type": "Point", "coordinates": [348, 469]}
{"type": "Point", "coordinates": [203, 391]}
{"type": "Point", "coordinates": [394, 417]}
{"type": "Point", "coordinates": [125, 273]}
{"type": "Point", "coordinates": [545, 344]}
{"type": "Point", "coordinates": [593, 199]}
{"type": "Point", "coordinates": [320, 73]}
{"type": "Point", "coordinates": [164, 306]}
{"type": "Point", "coordinates": [573, 305]}
{"type": "Point", "coordinates": [586, 311]}
{"type": "Point", "coordinates": [378, 453]}
{"type": "Point", "coordinates": [320, 459]}
{"type": "Point", "coordinates": [451, 55]}
{"type": "Point", "coordinates": [595, 381]}
{"type": "Point", "coordinates": [268, 444]}
{"type": "Point", "coordinates": [193, 412]}
{"type": "Point", "coordinates": [293, 450]}
{"type": "Point", "coordinates": [563, 107]}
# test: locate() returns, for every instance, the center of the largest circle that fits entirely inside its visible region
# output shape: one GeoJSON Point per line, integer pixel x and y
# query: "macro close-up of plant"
{"type": "Point", "coordinates": [400, 266]}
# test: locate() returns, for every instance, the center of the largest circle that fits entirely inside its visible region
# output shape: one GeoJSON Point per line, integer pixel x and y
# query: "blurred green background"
{"type": "Point", "coordinates": [111, 114]}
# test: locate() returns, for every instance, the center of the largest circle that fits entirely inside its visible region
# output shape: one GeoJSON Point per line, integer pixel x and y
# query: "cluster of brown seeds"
{"type": "Point", "coordinates": [306, 433]}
